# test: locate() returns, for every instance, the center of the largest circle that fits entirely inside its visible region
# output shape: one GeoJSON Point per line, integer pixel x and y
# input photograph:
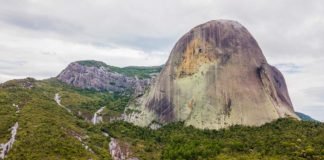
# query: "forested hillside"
{"type": "Point", "coordinates": [49, 131]}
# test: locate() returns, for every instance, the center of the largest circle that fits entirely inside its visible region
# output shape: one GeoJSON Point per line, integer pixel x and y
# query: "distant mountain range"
{"type": "Point", "coordinates": [305, 117]}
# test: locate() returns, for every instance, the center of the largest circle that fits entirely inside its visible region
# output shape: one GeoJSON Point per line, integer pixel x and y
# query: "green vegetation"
{"type": "Point", "coordinates": [140, 72]}
{"type": "Point", "coordinates": [282, 139]}
{"type": "Point", "coordinates": [85, 100]}
{"type": "Point", "coordinates": [48, 131]}
{"type": "Point", "coordinates": [92, 63]}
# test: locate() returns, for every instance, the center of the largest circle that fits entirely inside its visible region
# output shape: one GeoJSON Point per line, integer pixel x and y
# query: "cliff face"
{"type": "Point", "coordinates": [216, 76]}
{"type": "Point", "coordinates": [101, 77]}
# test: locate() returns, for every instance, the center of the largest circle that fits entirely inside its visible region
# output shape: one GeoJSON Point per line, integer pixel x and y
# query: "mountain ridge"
{"type": "Point", "coordinates": [306, 117]}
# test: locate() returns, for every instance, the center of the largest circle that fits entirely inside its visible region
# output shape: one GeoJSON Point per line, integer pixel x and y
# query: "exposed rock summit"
{"type": "Point", "coordinates": [216, 76]}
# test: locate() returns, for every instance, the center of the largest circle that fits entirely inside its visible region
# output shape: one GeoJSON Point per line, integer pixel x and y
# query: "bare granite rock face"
{"type": "Point", "coordinates": [216, 76]}
{"type": "Point", "coordinates": [102, 78]}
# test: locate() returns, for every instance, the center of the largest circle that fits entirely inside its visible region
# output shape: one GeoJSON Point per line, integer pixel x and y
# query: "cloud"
{"type": "Point", "coordinates": [289, 68]}
{"type": "Point", "coordinates": [39, 38]}
{"type": "Point", "coordinates": [46, 57]}
{"type": "Point", "coordinates": [306, 87]}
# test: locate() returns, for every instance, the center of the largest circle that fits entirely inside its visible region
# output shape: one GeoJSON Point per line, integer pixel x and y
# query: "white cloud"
{"type": "Point", "coordinates": [42, 57]}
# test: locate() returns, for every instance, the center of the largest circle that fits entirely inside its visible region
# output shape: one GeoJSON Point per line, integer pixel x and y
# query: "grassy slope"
{"type": "Point", "coordinates": [140, 72]}
{"type": "Point", "coordinates": [46, 131]}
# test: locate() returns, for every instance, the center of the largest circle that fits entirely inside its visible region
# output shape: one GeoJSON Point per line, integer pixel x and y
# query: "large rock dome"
{"type": "Point", "coordinates": [216, 76]}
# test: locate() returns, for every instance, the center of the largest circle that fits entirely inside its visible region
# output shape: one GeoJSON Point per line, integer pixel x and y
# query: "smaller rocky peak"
{"type": "Point", "coordinates": [99, 76]}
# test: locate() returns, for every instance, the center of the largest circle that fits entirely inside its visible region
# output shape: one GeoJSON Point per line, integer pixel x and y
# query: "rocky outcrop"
{"type": "Point", "coordinates": [216, 76]}
{"type": "Point", "coordinates": [4, 148]}
{"type": "Point", "coordinates": [97, 118]}
{"type": "Point", "coordinates": [102, 77]}
{"type": "Point", "coordinates": [119, 151]}
{"type": "Point", "coordinates": [57, 99]}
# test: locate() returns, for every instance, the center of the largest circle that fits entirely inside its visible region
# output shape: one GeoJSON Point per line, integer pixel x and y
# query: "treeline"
{"type": "Point", "coordinates": [282, 139]}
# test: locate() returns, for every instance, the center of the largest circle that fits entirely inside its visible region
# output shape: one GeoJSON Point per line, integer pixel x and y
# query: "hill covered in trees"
{"type": "Point", "coordinates": [47, 130]}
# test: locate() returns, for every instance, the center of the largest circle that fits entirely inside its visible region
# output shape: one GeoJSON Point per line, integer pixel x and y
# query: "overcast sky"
{"type": "Point", "coordinates": [39, 38]}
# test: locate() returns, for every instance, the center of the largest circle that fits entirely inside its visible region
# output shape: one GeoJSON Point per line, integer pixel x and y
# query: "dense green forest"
{"type": "Point", "coordinates": [282, 139]}
{"type": "Point", "coordinates": [48, 131]}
